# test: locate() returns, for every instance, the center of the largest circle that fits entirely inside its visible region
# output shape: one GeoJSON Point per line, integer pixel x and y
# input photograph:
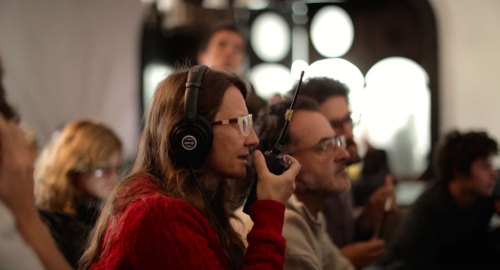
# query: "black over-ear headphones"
{"type": "Point", "coordinates": [191, 138]}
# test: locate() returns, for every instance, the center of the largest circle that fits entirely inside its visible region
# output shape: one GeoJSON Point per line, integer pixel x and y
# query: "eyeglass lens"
{"type": "Point", "coordinates": [246, 123]}
{"type": "Point", "coordinates": [340, 123]}
{"type": "Point", "coordinates": [333, 144]}
{"type": "Point", "coordinates": [106, 171]}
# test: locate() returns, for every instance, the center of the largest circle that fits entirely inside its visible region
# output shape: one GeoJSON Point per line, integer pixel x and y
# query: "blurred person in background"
{"type": "Point", "coordinates": [224, 47]}
{"type": "Point", "coordinates": [448, 225]}
{"type": "Point", "coordinates": [355, 237]}
{"type": "Point", "coordinates": [322, 156]}
{"type": "Point", "coordinates": [73, 174]}
{"type": "Point", "coordinates": [25, 242]}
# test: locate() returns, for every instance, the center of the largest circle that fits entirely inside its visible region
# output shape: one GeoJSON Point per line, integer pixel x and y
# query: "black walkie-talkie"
{"type": "Point", "coordinates": [273, 156]}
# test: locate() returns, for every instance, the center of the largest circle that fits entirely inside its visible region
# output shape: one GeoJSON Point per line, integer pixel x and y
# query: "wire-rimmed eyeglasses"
{"type": "Point", "coordinates": [327, 145]}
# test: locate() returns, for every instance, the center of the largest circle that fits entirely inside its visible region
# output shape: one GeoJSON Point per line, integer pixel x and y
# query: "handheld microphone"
{"type": "Point", "coordinates": [273, 156]}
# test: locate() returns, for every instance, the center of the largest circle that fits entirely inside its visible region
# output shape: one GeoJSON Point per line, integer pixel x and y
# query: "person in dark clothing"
{"type": "Point", "coordinates": [373, 174]}
{"type": "Point", "coordinates": [69, 233]}
{"type": "Point", "coordinates": [448, 225]}
{"type": "Point", "coordinates": [74, 173]}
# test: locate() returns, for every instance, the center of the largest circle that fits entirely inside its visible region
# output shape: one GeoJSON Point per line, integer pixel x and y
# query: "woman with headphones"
{"type": "Point", "coordinates": [172, 211]}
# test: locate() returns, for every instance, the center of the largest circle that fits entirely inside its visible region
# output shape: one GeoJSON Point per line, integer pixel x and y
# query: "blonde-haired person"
{"type": "Point", "coordinates": [169, 214]}
{"type": "Point", "coordinates": [74, 173]}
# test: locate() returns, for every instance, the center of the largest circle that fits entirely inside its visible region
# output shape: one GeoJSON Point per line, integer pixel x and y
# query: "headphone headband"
{"type": "Point", "coordinates": [195, 76]}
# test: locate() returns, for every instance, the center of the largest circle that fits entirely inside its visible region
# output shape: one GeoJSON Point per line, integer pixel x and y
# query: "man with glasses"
{"type": "Point", "coordinates": [354, 237]}
{"type": "Point", "coordinates": [321, 152]}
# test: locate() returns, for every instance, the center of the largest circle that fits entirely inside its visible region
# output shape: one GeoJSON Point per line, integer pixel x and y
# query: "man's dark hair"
{"type": "Point", "coordinates": [271, 119]}
{"type": "Point", "coordinates": [322, 88]}
{"type": "Point", "coordinates": [458, 151]}
{"type": "Point", "coordinates": [5, 109]}
{"type": "Point", "coordinates": [230, 26]}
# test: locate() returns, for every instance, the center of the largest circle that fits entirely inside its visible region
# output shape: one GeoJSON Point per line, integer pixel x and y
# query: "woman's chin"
{"type": "Point", "coordinates": [239, 173]}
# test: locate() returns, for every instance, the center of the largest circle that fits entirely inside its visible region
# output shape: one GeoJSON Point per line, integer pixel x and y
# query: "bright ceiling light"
{"type": "Point", "coordinates": [270, 37]}
{"type": "Point", "coordinates": [270, 79]}
{"type": "Point", "coordinates": [332, 31]}
{"type": "Point", "coordinates": [338, 69]}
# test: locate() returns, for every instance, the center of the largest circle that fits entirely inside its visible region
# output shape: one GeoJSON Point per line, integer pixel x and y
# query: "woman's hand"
{"type": "Point", "coordinates": [271, 186]}
{"type": "Point", "coordinates": [16, 171]}
{"type": "Point", "coordinates": [16, 191]}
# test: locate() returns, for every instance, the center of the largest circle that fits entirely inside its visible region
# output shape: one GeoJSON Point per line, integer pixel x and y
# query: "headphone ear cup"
{"type": "Point", "coordinates": [191, 141]}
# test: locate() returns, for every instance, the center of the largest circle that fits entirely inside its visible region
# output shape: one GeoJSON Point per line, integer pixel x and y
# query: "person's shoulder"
{"type": "Point", "coordinates": [291, 215]}
{"type": "Point", "coordinates": [301, 243]}
{"type": "Point", "coordinates": [296, 226]}
{"type": "Point", "coordinates": [63, 225]}
{"type": "Point", "coordinates": [433, 193]}
{"type": "Point", "coordinates": [433, 203]}
{"type": "Point", "coordinates": [159, 201]}
{"type": "Point", "coordinates": [293, 210]}
{"type": "Point", "coordinates": [151, 193]}
{"type": "Point", "coordinates": [144, 195]}
{"type": "Point", "coordinates": [155, 210]}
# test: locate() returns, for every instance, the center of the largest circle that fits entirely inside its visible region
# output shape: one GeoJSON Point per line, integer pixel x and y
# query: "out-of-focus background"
{"type": "Point", "coordinates": [416, 69]}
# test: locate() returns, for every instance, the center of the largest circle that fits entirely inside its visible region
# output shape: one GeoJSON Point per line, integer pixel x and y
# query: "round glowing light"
{"type": "Point", "coordinates": [270, 37]}
{"type": "Point", "coordinates": [396, 71]}
{"type": "Point", "coordinates": [395, 84]}
{"type": "Point", "coordinates": [398, 112]}
{"type": "Point", "coordinates": [332, 31]}
{"type": "Point", "coordinates": [252, 4]}
{"type": "Point", "coordinates": [338, 69]}
{"type": "Point", "coordinates": [165, 5]}
{"type": "Point", "coordinates": [298, 66]}
{"type": "Point", "coordinates": [215, 4]}
{"type": "Point", "coordinates": [270, 79]}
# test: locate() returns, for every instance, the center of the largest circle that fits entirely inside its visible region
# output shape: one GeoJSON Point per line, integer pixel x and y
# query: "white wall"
{"type": "Point", "coordinates": [469, 42]}
{"type": "Point", "coordinates": [67, 59]}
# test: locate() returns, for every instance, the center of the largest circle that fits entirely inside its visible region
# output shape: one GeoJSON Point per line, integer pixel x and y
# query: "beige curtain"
{"type": "Point", "coordinates": [68, 59]}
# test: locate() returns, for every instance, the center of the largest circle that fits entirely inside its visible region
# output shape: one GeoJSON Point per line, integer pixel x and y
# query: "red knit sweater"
{"type": "Point", "coordinates": [161, 232]}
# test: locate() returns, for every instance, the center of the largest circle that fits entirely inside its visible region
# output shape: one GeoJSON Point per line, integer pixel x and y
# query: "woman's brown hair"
{"type": "Point", "coordinates": [155, 158]}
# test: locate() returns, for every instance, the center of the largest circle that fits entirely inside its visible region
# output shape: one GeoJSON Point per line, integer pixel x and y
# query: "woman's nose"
{"type": "Point", "coordinates": [252, 139]}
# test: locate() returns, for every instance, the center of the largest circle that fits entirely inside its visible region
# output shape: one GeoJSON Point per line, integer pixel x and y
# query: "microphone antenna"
{"type": "Point", "coordinates": [276, 148]}
{"type": "Point", "coordinates": [273, 156]}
